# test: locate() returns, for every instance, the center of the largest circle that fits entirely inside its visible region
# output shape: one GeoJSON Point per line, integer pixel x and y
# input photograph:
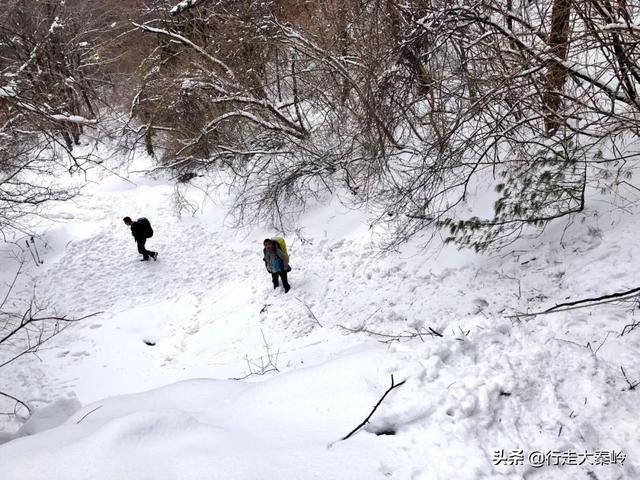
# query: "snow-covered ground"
{"type": "Point", "coordinates": [165, 382]}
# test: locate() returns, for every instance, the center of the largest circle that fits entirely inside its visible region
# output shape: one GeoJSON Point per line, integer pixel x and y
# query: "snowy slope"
{"type": "Point", "coordinates": [207, 307]}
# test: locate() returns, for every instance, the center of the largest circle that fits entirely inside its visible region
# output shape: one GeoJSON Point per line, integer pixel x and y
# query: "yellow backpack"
{"type": "Point", "coordinates": [281, 244]}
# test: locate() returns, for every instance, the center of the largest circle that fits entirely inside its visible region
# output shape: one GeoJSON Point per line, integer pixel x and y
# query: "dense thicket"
{"type": "Point", "coordinates": [59, 63]}
{"type": "Point", "coordinates": [399, 106]}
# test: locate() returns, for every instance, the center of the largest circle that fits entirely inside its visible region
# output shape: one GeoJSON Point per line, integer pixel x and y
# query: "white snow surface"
{"type": "Point", "coordinates": [146, 388]}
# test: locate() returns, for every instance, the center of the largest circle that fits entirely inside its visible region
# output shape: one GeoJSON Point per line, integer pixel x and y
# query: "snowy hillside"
{"type": "Point", "coordinates": [195, 368]}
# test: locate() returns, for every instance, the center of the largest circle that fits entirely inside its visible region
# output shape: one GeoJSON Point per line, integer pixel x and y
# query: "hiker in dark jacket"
{"type": "Point", "coordinates": [139, 230]}
{"type": "Point", "coordinates": [277, 263]}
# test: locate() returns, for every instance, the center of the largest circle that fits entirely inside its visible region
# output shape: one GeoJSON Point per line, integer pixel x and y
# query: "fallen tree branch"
{"type": "Point", "coordinates": [310, 311]}
{"type": "Point", "coordinates": [18, 401]}
{"type": "Point", "coordinates": [584, 303]}
{"type": "Point", "coordinates": [596, 299]}
{"type": "Point", "coordinates": [364, 422]}
{"type": "Point", "coordinates": [393, 336]}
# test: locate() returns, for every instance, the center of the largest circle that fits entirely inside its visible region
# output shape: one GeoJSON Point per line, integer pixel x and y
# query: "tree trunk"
{"type": "Point", "coordinates": [556, 73]}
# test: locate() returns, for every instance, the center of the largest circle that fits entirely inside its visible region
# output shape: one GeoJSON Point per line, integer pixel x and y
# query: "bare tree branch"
{"type": "Point", "coordinates": [366, 420]}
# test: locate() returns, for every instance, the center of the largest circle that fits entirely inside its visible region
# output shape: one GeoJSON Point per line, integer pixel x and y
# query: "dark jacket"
{"type": "Point", "coordinates": [138, 230]}
{"type": "Point", "coordinates": [275, 260]}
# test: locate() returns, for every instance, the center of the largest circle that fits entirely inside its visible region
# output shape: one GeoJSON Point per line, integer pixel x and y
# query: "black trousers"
{"type": "Point", "coordinates": [145, 253]}
{"type": "Point", "coordinates": [283, 276]}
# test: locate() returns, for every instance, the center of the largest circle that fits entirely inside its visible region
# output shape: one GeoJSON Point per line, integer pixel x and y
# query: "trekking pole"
{"type": "Point", "coordinates": [36, 249]}
{"type": "Point", "coordinates": [31, 252]}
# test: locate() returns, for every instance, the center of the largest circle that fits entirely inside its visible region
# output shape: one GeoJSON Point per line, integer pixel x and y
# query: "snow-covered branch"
{"type": "Point", "coordinates": [185, 41]}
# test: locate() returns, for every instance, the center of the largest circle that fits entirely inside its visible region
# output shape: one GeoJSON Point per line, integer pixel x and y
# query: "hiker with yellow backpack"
{"type": "Point", "coordinates": [276, 259]}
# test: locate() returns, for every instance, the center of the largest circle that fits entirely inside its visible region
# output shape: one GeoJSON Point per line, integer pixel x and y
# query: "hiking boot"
{"type": "Point", "coordinates": [287, 288]}
{"type": "Point", "coordinates": [154, 256]}
{"type": "Point", "coordinates": [144, 260]}
{"type": "Point", "coordinates": [275, 285]}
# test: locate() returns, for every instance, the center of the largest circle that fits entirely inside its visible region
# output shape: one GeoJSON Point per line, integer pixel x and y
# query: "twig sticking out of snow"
{"type": "Point", "coordinates": [265, 364]}
{"type": "Point", "coordinates": [364, 422]}
{"type": "Point", "coordinates": [89, 413]}
{"type": "Point", "coordinates": [630, 327]}
{"type": "Point", "coordinates": [632, 385]}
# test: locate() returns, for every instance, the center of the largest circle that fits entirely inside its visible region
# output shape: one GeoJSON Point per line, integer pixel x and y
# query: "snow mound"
{"type": "Point", "coordinates": [279, 428]}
